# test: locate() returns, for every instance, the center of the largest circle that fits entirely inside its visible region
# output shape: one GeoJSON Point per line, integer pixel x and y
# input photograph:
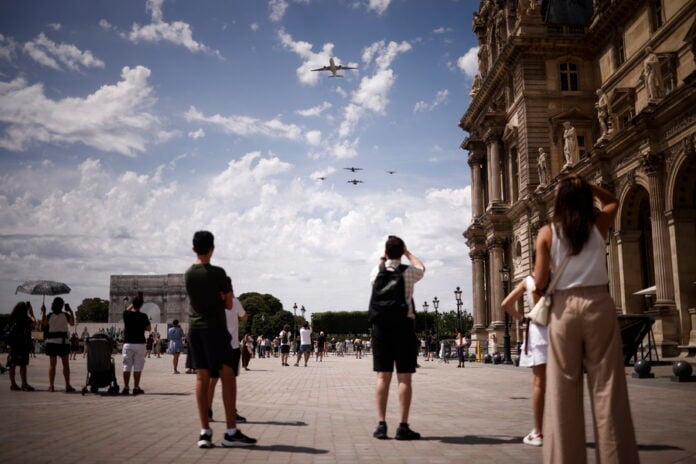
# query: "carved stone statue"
{"type": "Point", "coordinates": [500, 28]}
{"type": "Point", "coordinates": [652, 74]}
{"type": "Point", "coordinates": [483, 59]}
{"type": "Point", "coordinates": [603, 115]}
{"type": "Point", "coordinates": [542, 167]}
{"type": "Point", "coordinates": [475, 86]}
{"type": "Point", "coordinates": [526, 7]}
{"type": "Point", "coordinates": [571, 150]}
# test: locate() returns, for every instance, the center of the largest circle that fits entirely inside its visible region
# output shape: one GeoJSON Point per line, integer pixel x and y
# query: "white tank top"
{"type": "Point", "coordinates": [586, 269]}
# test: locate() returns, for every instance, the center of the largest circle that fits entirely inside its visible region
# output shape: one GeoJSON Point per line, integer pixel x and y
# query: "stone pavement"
{"type": "Point", "coordinates": [320, 414]}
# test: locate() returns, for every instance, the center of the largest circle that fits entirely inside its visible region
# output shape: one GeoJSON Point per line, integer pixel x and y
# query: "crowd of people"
{"type": "Point", "coordinates": [582, 336]}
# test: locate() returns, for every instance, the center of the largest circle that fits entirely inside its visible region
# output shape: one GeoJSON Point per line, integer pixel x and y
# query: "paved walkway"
{"type": "Point", "coordinates": [320, 414]}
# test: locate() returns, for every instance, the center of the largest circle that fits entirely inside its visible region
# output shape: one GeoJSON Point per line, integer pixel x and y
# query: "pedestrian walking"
{"type": "Point", "coordinates": [284, 337]}
{"type": "Point", "coordinates": [56, 340]}
{"type": "Point", "coordinates": [305, 343]}
{"type": "Point", "coordinates": [19, 344]}
{"type": "Point", "coordinates": [247, 350]}
{"type": "Point", "coordinates": [394, 341]}
{"type": "Point", "coordinates": [460, 342]}
{"type": "Point", "coordinates": [135, 324]}
{"type": "Point", "coordinates": [175, 334]}
{"type": "Point", "coordinates": [583, 331]}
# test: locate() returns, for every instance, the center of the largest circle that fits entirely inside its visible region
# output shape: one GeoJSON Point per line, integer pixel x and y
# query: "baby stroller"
{"type": "Point", "coordinates": [101, 370]}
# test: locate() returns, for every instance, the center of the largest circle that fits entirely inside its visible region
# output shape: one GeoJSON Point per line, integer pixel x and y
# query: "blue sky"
{"type": "Point", "coordinates": [126, 126]}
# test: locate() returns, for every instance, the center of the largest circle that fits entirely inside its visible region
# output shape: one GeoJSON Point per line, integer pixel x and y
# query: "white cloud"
{"type": "Point", "coordinates": [246, 125]}
{"type": "Point", "coordinates": [254, 27]}
{"type": "Point", "coordinates": [7, 48]}
{"type": "Point", "coordinates": [313, 138]}
{"type": "Point", "coordinates": [115, 118]}
{"type": "Point", "coordinates": [277, 9]}
{"type": "Point", "coordinates": [46, 52]}
{"type": "Point", "coordinates": [373, 93]}
{"type": "Point", "coordinates": [442, 30]}
{"type": "Point", "coordinates": [311, 59]}
{"type": "Point", "coordinates": [469, 62]}
{"type": "Point", "coordinates": [264, 221]}
{"type": "Point", "coordinates": [197, 134]}
{"type": "Point", "coordinates": [378, 6]}
{"type": "Point", "coordinates": [106, 25]}
{"type": "Point", "coordinates": [440, 98]}
{"type": "Point", "coordinates": [177, 32]}
{"type": "Point", "coordinates": [322, 173]}
{"type": "Point", "coordinates": [55, 26]}
{"type": "Point", "coordinates": [345, 149]}
{"type": "Point", "coordinates": [315, 110]}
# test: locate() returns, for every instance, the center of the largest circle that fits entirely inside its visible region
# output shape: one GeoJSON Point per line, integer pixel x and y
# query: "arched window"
{"type": "Point", "coordinates": [569, 76]}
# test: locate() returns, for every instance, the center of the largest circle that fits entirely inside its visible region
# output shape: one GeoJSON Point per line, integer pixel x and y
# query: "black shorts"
{"type": "Point", "coordinates": [211, 349]}
{"type": "Point", "coordinates": [392, 348]}
{"type": "Point", "coordinates": [284, 349]}
{"type": "Point", "coordinates": [236, 355]}
{"type": "Point", "coordinates": [57, 349]}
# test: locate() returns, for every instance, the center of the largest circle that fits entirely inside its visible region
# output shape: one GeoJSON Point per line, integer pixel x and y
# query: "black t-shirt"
{"type": "Point", "coordinates": [134, 325]}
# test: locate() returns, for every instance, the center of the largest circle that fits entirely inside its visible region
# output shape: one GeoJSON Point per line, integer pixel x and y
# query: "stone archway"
{"type": "Point", "coordinates": [165, 296]}
{"type": "Point", "coordinates": [636, 262]}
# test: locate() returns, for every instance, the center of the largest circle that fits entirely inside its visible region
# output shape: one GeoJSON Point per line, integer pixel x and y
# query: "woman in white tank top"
{"type": "Point", "coordinates": [583, 331]}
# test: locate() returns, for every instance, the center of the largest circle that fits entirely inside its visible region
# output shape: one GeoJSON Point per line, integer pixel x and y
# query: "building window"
{"type": "Point", "coordinates": [569, 76]}
{"type": "Point", "coordinates": [620, 51]}
{"type": "Point", "coordinates": [658, 12]}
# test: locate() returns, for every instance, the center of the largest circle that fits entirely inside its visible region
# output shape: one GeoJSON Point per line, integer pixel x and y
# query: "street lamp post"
{"type": "Point", "coordinates": [425, 308]}
{"type": "Point", "coordinates": [436, 304]}
{"type": "Point", "coordinates": [458, 297]}
{"type": "Point", "coordinates": [505, 278]}
{"type": "Point", "coordinates": [302, 310]}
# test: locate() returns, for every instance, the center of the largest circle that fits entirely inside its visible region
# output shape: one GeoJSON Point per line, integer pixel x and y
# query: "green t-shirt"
{"type": "Point", "coordinates": [204, 284]}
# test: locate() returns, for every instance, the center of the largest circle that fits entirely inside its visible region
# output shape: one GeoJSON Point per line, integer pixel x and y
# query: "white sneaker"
{"type": "Point", "coordinates": [533, 439]}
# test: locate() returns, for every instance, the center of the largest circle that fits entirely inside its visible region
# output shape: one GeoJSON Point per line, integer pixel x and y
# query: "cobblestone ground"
{"type": "Point", "coordinates": [323, 413]}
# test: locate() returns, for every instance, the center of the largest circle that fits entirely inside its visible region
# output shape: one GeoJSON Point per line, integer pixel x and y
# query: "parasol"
{"type": "Point", "coordinates": [43, 287]}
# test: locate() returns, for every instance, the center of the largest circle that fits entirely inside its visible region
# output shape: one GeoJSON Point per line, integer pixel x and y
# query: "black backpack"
{"type": "Point", "coordinates": [284, 337]}
{"type": "Point", "coordinates": [388, 301]}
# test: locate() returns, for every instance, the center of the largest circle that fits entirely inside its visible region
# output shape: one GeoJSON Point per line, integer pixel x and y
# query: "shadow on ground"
{"type": "Point", "coordinates": [476, 440]}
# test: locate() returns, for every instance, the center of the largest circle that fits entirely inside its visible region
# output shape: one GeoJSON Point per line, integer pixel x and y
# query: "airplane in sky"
{"type": "Point", "coordinates": [333, 67]}
{"type": "Point", "coordinates": [355, 182]}
{"type": "Point", "coordinates": [320, 178]}
{"type": "Point", "coordinates": [351, 169]}
{"type": "Point", "coordinates": [391, 172]}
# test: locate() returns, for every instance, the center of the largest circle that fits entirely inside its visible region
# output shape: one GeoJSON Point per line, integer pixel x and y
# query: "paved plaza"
{"type": "Point", "coordinates": [323, 413]}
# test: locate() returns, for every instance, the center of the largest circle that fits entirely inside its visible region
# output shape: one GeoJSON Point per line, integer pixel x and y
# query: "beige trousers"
{"type": "Point", "coordinates": [584, 331]}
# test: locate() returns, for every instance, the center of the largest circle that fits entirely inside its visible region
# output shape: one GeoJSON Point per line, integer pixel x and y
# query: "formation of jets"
{"type": "Point", "coordinates": [333, 67]}
{"type": "Point", "coordinates": [353, 181]}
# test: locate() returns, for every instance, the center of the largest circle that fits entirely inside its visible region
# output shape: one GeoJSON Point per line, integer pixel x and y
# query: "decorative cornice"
{"type": "Point", "coordinates": [476, 158]}
{"type": "Point", "coordinates": [476, 255]}
{"type": "Point", "coordinates": [652, 163]}
{"type": "Point", "coordinates": [496, 242]}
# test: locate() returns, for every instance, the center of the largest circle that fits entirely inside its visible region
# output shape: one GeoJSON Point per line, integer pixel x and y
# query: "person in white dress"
{"type": "Point", "coordinates": [534, 354]}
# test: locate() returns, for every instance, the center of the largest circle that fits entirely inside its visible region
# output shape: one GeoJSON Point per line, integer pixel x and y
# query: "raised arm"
{"type": "Point", "coordinates": [508, 303]}
{"type": "Point", "coordinates": [610, 206]}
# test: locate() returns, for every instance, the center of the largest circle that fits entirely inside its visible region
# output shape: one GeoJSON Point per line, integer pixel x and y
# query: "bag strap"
{"type": "Point", "coordinates": [556, 278]}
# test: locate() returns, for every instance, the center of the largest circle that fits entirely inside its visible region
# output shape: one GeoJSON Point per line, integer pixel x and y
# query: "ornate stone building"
{"type": "Point", "coordinates": [606, 89]}
{"type": "Point", "coordinates": [165, 296]}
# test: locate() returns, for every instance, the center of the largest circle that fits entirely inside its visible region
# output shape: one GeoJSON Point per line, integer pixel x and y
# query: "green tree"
{"type": "Point", "coordinates": [93, 310]}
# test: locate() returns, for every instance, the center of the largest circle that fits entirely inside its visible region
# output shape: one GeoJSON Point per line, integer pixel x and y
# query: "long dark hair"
{"type": "Point", "coordinates": [574, 213]}
{"type": "Point", "coordinates": [20, 310]}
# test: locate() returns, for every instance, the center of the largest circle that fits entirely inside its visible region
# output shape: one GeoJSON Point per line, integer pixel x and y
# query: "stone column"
{"type": "Point", "coordinates": [495, 250]}
{"type": "Point", "coordinates": [666, 325]}
{"type": "Point", "coordinates": [477, 207]}
{"type": "Point", "coordinates": [478, 271]}
{"type": "Point", "coordinates": [629, 266]}
{"type": "Point", "coordinates": [614, 273]}
{"type": "Point", "coordinates": [493, 142]}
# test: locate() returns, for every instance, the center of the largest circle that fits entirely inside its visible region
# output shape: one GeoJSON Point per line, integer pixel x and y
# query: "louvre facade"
{"type": "Point", "coordinates": [605, 89]}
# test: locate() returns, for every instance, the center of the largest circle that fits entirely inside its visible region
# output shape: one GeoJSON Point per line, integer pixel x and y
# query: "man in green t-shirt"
{"type": "Point", "coordinates": [210, 292]}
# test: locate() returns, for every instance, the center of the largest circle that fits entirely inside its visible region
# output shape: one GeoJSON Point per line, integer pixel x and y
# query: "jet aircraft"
{"type": "Point", "coordinates": [391, 172]}
{"type": "Point", "coordinates": [333, 67]}
{"type": "Point", "coordinates": [355, 182]}
{"type": "Point", "coordinates": [351, 169]}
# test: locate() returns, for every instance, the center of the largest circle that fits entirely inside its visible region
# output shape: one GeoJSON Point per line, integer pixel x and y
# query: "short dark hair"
{"type": "Point", "coordinates": [175, 322]}
{"type": "Point", "coordinates": [138, 300]}
{"type": "Point", "coordinates": [394, 247]}
{"type": "Point", "coordinates": [203, 242]}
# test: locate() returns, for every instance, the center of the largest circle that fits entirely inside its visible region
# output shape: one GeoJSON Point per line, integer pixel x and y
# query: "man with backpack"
{"type": "Point", "coordinates": [394, 340]}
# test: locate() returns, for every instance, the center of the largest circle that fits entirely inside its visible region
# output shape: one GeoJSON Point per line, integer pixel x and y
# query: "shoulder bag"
{"type": "Point", "coordinates": [542, 309]}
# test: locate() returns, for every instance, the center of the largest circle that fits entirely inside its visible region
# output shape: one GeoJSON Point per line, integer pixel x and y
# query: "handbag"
{"type": "Point", "coordinates": [542, 309]}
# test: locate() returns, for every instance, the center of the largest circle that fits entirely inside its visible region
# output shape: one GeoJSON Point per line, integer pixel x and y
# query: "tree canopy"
{"type": "Point", "coordinates": [93, 310]}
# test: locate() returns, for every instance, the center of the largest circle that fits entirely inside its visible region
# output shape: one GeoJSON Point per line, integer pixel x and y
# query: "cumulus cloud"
{"type": "Point", "coordinates": [117, 118]}
{"type": "Point", "coordinates": [440, 98]}
{"type": "Point", "coordinates": [469, 62]}
{"type": "Point", "coordinates": [197, 134]}
{"type": "Point", "coordinates": [254, 27]}
{"type": "Point", "coordinates": [372, 95]}
{"type": "Point", "coordinates": [246, 125]}
{"type": "Point", "coordinates": [46, 52]}
{"type": "Point", "coordinates": [311, 59]}
{"type": "Point", "coordinates": [313, 137]}
{"type": "Point", "coordinates": [378, 6]}
{"type": "Point", "coordinates": [106, 25]}
{"type": "Point", "coordinates": [315, 110]}
{"type": "Point", "coordinates": [277, 9]}
{"type": "Point", "coordinates": [265, 220]}
{"type": "Point", "coordinates": [177, 32]}
{"type": "Point", "coordinates": [7, 48]}
{"type": "Point", "coordinates": [55, 26]}
{"type": "Point", "coordinates": [442, 30]}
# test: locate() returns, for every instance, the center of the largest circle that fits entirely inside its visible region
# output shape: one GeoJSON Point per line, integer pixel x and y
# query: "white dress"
{"type": "Point", "coordinates": [537, 352]}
